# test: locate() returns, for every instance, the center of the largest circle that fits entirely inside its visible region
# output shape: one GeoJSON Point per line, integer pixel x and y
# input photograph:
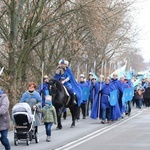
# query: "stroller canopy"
{"type": "Point", "coordinates": [22, 107]}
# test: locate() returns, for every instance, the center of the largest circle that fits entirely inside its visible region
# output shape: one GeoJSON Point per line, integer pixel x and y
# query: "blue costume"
{"type": "Point", "coordinates": [95, 112]}
{"type": "Point", "coordinates": [85, 96]}
{"type": "Point", "coordinates": [65, 75]}
{"type": "Point", "coordinates": [70, 83]}
{"type": "Point", "coordinates": [43, 91]}
{"type": "Point", "coordinates": [1, 92]}
{"type": "Point", "coordinates": [105, 104]}
{"type": "Point", "coordinates": [90, 101]}
{"type": "Point", "coordinates": [118, 87]}
{"type": "Point", "coordinates": [128, 84]}
{"type": "Point", "coordinates": [82, 86]}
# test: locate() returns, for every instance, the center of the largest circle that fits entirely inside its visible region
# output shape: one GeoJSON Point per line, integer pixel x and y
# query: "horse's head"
{"type": "Point", "coordinates": [52, 85]}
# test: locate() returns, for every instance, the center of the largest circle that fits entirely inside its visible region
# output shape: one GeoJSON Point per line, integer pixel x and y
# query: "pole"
{"type": "Point", "coordinates": [102, 68]}
{"type": "Point", "coordinates": [42, 71]}
{"type": "Point", "coordinates": [1, 71]}
{"type": "Point", "coordinates": [78, 72]}
{"type": "Point", "coordinates": [95, 66]}
{"type": "Point", "coordinates": [99, 101]}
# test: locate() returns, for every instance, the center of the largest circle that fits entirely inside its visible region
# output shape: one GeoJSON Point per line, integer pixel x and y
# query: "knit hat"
{"type": "Point", "coordinates": [90, 73]}
{"type": "Point", "coordinates": [115, 74]}
{"type": "Point", "coordinates": [82, 76]}
{"type": "Point", "coordinates": [62, 61]}
{"type": "Point", "coordinates": [45, 77]}
{"type": "Point", "coordinates": [48, 98]}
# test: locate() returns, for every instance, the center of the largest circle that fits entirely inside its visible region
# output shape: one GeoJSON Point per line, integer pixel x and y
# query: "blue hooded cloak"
{"type": "Point", "coordinates": [73, 82]}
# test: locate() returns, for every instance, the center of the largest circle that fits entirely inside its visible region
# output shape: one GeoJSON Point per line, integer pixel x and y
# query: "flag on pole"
{"type": "Point", "coordinates": [1, 71]}
{"type": "Point", "coordinates": [120, 71]}
{"type": "Point", "coordinates": [94, 75]}
{"type": "Point", "coordinates": [138, 81]}
{"type": "Point", "coordinates": [128, 74]}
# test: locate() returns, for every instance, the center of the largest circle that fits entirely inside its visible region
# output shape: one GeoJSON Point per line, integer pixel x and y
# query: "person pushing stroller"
{"type": "Point", "coordinates": [33, 98]}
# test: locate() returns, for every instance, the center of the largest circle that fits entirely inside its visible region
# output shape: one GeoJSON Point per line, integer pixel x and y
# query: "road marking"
{"type": "Point", "coordinates": [95, 134]}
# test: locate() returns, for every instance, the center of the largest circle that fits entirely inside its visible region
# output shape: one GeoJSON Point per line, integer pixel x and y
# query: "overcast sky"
{"type": "Point", "coordinates": [142, 19]}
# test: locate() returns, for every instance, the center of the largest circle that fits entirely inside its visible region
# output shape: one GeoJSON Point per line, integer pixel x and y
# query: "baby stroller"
{"type": "Point", "coordinates": [23, 121]}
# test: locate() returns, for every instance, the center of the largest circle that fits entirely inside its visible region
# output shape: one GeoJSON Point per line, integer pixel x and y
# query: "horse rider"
{"type": "Point", "coordinates": [65, 78]}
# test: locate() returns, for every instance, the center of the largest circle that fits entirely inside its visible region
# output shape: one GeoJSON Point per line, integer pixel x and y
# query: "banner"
{"type": "Point", "coordinates": [138, 81]}
{"type": "Point", "coordinates": [128, 94]}
{"type": "Point", "coordinates": [85, 93]}
{"type": "Point", "coordinates": [113, 97]}
{"type": "Point", "coordinates": [128, 75]}
{"type": "Point", "coordinates": [120, 71]}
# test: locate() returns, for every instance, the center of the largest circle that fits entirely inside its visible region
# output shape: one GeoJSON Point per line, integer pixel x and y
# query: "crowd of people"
{"type": "Point", "coordinates": [94, 102]}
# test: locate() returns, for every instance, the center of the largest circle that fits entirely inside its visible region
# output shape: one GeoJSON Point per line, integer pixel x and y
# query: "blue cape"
{"type": "Point", "coordinates": [96, 112]}
{"type": "Point", "coordinates": [73, 83]}
{"type": "Point", "coordinates": [1, 92]}
{"type": "Point", "coordinates": [96, 108]}
{"type": "Point", "coordinates": [85, 90]}
{"type": "Point", "coordinates": [75, 86]}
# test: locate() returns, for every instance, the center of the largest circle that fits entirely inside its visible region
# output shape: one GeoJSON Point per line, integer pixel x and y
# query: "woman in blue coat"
{"type": "Point", "coordinates": [33, 98]}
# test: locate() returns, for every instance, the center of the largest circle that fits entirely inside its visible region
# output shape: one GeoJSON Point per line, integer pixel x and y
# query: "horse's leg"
{"type": "Point", "coordinates": [59, 125]}
{"type": "Point", "coordinates": [59, 114]}
{"type": "Point", "coordinates": [61, 110]}
{"type": "Point", "coordinates": [74, 113]}
{"type": "Point", "coordinates": [77, 112]}
{"type": "Point", "coordinates": [72, 110]}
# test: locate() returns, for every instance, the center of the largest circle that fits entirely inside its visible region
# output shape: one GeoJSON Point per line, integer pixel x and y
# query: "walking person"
{"type": "Point", "coordinates": [85, 94]}
{"type": "Point", "coordinates": [90, 100]}
{"type": "Point", "coordinates": [43, 89]}
{"type": "Point", "coordinates": [139, 97]}
{"type": "Point", "coordinates": [50, 116]}
{"type": "Point", "coordinates": [147, 96]}
{"type": "Point", "coordinates": [33, 98]}
{"type": "Point", "coordinates": [93, 91]}
{"type": "Point", "coordinates": [4, 120]}
{"type": "Point", "coordinates": [105, 104]}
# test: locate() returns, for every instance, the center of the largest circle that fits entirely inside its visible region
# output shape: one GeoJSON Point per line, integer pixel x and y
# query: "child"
{"type": "Point", "coordinates": [50, 117]}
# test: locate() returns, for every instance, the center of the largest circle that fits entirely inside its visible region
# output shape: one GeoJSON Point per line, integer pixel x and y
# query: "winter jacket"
{"type": "Point", "coordinates": [147, 93]}
{"type": "Point", "coordinates": [32, 99]}
{"type": "Point", "coordinates": [49, 114]}
{"type": "Point", "coordinates": [138, 94]}
{"type": "Point", "coordinates": [4, 112]}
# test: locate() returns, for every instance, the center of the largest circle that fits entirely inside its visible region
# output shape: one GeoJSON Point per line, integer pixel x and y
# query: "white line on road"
{"type": "Point", "coordinates": [94, 134]}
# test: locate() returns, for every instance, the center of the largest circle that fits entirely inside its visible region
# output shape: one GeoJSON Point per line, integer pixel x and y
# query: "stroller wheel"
{"type": "Point", "coordinates": [28, 142]}
{"type": "Point", "coordinates": [16, 142]}
{"type": "Point", "coordinates": [36, 138]}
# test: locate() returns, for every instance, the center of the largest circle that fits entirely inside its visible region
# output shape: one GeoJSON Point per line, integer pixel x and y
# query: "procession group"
{"type": "Point", "coordinates": [106, 98]}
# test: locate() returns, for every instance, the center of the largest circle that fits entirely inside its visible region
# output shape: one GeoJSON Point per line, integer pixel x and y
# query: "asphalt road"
{"type": "Point", "coordinates": [130, 133]}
